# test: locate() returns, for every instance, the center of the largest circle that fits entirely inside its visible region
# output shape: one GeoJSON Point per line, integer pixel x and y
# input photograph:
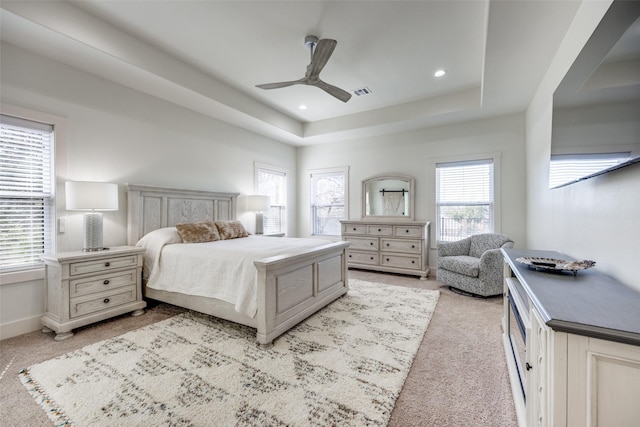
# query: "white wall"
{"type": "Point", "coordinates": [118, 135]}
{"type": "Point", "coordinates": [413, 153]}
{"type": "Point", "coordinates": [597, 219]}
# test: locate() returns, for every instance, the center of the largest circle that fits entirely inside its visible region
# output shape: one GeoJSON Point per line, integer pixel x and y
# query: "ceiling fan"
{"type": "Point", "coordinates": [320, 53]}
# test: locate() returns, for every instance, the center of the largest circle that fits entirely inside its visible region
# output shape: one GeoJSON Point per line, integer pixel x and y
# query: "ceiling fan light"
{"type": "Point", "coordinates": [439, 73]}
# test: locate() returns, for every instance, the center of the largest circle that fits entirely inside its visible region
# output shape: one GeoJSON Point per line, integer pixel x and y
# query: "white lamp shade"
{"type": "Point", "coordinates": [257, 203]}
{"type": "Point", "coordinates": [91, 196]}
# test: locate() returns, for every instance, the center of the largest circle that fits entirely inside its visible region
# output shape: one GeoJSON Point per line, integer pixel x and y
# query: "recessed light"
{"type": "Point", "coordinates": [439, 73]}
{"type": "Point", "coordinates": [302, 107]}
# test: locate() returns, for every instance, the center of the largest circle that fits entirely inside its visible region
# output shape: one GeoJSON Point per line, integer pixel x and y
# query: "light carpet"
{"type": "Point", "coordinates": [345, 365]}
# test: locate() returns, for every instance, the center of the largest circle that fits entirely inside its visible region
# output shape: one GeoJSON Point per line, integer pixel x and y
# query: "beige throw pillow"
{"type": "Point", "coordinates": [198, 232]}
{"type": "Point", "coordinates": [231, 229]}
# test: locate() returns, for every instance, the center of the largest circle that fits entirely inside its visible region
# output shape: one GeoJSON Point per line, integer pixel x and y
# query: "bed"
{"type": "Point", "coordinates": [288, 286]}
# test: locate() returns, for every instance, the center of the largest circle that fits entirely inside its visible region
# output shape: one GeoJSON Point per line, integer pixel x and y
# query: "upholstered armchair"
{"type": "Point", "coordinates": [473, 264]}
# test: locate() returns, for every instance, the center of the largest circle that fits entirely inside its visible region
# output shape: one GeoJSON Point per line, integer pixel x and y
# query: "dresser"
{"type": "Point", "coordinates": [572, 345]}
{"type": "Point", "coordinates": [85, 287]}
{"type": "Point", "coordinates": [390, 246]}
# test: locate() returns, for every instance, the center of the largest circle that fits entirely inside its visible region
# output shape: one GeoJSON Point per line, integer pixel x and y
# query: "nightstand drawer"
{"type": "Point", "coordinates": [400, 261]}
{"type": "Point", "coordinates": [370, 258]}
{"type": "Point", "coordinates": [104, 264]}
{"type": "Point", "coordinates": [363, 243]}
{"type": "Point", "coordinates": [94, 303]}
{"type": "Point", "coordinates": [101, 283]}
{"type": "Point", "coordinates": [404, 245]}
{"type": "Point", "coordinates": [407, 231]}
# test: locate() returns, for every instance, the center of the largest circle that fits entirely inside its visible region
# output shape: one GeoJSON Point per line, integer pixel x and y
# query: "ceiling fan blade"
{"type": "Point", "coordinates": [321, 55]}
{"type": "Point", "coordinates": [341, 94]}
{"type": "Point", "coordinates": [280, 84]}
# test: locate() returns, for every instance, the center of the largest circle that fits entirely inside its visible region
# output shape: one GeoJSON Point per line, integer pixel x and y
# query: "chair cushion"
{"type": "Point", "coordinates": [462, 264]}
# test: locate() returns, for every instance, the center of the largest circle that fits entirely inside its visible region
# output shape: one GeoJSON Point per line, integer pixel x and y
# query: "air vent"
{"type": "Point", "coordinates": [362, 91]}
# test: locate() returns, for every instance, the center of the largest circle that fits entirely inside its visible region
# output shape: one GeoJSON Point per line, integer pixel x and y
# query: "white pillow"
{"type": "Point", "coordinates": [160, 237]}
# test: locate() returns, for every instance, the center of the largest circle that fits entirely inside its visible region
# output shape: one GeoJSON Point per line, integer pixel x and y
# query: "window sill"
{"type": "Point", "coordinates": [13, 277]}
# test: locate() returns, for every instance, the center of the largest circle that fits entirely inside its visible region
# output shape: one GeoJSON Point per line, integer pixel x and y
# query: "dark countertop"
{"type": "Point", "coordinates": [589, 303]}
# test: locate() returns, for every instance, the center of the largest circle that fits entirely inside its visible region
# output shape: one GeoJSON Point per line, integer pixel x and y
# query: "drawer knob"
{"type": "Point", "coordinates": [106, 300]}
{"type": "Point", "coordinates": [349, 256]}
{"type": "Point", "coordinates": [413, 246]}
{"type": "Point", "coordinates": [371, 243]}
{"type": "Point", "coordinates": [107, 264]}
{"type": "Point", "coordinates": [379, 230]}
{"type": "Point", "coordinates": [406, 231]}
{"type": "Point", "coordinates": [387, 244]}
{"type": "Point", "coordinates": [106, 282]}
{"type": "Point", "coordinates": [413, 262]}
{"type": "Point", "coordinates": [354, 229]}
{"type": "Point", "coordinates": [371, 257]}
{"type": "Point", "coordinates": [387, 259]}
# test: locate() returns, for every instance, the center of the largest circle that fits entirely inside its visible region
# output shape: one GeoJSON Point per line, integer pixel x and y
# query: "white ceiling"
{"type": "Point", "coordinates": [209, 55]}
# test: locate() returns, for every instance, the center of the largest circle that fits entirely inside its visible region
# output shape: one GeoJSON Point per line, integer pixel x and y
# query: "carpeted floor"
{"type": "Point", "coordinates": [458, 377]}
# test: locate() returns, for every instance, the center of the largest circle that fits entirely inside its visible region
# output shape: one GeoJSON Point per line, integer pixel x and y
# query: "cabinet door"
{"type": "Point", "coordinates": [536, 372]}
{"type": "Point", "coordinates": [603, 383]}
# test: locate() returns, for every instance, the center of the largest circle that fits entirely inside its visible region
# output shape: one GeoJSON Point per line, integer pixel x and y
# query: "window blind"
{"type": "Point", "coordinates": [273, 183]}
{"type": "Point", "coordinates": [26, 192]}
{"type": "Point", "coordinates": [464, 198]}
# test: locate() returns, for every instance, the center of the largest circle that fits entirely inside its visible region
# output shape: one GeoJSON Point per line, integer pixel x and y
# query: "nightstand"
{"type": "Point", "coordinates": [87, 287]}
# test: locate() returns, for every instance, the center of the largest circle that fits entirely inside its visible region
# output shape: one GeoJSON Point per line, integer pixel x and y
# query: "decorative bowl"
{"type": "Point", "coordinates": [552, 264]}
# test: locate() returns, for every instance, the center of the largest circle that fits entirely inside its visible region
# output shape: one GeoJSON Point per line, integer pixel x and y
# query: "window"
{"type": "Point", "coordinates": [272, 182]}
{"type": "Point", "coordinates": [328, 195]}
{"type": "Point", "coordinates": [464, 198]}
{"type": "Point", "coordinates": [26, 192]}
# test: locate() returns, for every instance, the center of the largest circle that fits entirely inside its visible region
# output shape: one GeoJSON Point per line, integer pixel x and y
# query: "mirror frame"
{"type": "Point", "coordinates": [410, 181]}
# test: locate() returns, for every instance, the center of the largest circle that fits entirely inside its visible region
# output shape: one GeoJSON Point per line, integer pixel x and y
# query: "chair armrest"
{"type": "Point", "coordinates": [491, 265]}
{"type": "Point", "coordinates": [459, 247]}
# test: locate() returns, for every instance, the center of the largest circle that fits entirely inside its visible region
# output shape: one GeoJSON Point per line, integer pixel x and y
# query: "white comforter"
{"type": "Point", "coordinates": [223, 269]}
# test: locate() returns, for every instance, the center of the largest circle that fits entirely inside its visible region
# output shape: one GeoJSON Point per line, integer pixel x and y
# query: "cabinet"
{"type": "Point", "coordinates": [582, 358]}
{"type": "Point", "coordinates": [86, 287]}
{"type": "Point", "coordinates": [391, 246]}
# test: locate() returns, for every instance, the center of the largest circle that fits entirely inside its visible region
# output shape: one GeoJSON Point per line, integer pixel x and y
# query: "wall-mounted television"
{"type": "Point", "coordinates": [596, 107]}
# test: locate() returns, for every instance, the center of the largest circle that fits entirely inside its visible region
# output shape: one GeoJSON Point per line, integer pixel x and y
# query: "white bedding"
{"type": "Point", "coordinates": [222, 269]}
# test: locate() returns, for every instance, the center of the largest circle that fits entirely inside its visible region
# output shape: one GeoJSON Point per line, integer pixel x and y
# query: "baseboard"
{"type": "Point", "coordinates": [19, 327]}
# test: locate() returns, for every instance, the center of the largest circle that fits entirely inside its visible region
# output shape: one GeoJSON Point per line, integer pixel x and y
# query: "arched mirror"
{"type": "Point", "coordinates": [388, 196]}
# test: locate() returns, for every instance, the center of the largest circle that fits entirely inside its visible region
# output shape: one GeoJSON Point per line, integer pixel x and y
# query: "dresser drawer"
{"type": "Point", "coordinates": [354, 229]}
{"type": "Point", "coordinates": [101, 283]}
{"type": "Point", "coordinates": [362, 243]}
{"type": "Point", "coordinates": [103, 264]}
{"type": "Point", "coordinates": [94, 303]}
{"type": "Point", "coordinates": [400, 261]}
{"type": "Point", "coordinates": [380, 230]}
{"type": "Point", "coordinates": [403, 245]}
{"type": "Point", "coordinates": [355, 257]}
{"type": "Point", "coordinates": [407, 231]}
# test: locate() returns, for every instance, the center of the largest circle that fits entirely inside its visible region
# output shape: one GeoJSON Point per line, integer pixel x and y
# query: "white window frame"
{"type": "Point", "coordinates": [276, 170]}
{"type": "Point", "coordinates": [495, 158]}
{"type": "Point", "coordinates": [314, 173]}
{"type": "Point", "coordinates": [36, 272]}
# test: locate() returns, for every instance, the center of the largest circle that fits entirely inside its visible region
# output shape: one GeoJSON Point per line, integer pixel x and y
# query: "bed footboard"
{"type": "Point", "coordinates": [292, 287]}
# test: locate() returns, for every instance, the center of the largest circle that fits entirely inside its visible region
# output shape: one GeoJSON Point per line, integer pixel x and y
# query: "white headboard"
{"type": "Point", "coordinates": [151, 208]}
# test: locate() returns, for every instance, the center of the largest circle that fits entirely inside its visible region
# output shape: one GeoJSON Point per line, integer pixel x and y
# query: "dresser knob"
{"type": "Point", "coordinates": [349, 256]}
{"type": "Point", "coordinates": [413, 246]}
{"type": "Point", "coordinates": [106, 300]}
{"type": "Point", "coordinates": [371, 257]}
{"type": "Point", "coordinates": [406, 231]}
{"type": "Point", "coordinates": [379, 230]}
{"type": "Point", "coordinates": [106, 282]}
{"type": "Point", "coordinates": [371, 243]}
{"type": "Point", "coordinates": [354, 229]}
{"type": "Point", "coordinates": [413, 262]}
{"type": "Point", "coordinates": [387, 244]}
{"type": "Point", "coordinates": [387, 259]}
{"type": "Point", "coordinates": [107, 264]}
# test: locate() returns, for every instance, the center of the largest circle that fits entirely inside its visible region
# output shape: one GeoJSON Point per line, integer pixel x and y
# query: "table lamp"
{"type": "Point", "coordinates": [258, 204]}
{"type": "Point", "coordinates": [92, 197]}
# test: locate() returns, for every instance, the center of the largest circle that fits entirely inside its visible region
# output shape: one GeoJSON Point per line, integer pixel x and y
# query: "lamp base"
{"type": "Point", "coordinates": [259, 223]}
{"type": "Point", "coordinates": [93, 232]}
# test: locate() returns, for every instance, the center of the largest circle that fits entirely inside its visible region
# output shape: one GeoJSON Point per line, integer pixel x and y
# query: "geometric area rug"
{"type": "Point", "coordinates": [343, 366]}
